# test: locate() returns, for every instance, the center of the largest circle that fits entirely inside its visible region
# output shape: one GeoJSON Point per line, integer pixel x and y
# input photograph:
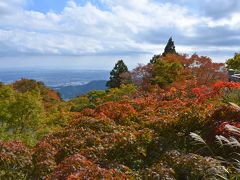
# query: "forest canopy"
{"type": "Point", "coordinates": [175, 118]}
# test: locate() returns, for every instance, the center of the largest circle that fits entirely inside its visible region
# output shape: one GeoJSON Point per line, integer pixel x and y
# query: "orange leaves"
{"type": "Point", "coordinates": [230, 85]}
{"type": "Point", "coordinates": [197, 91]}
{"type": "Point", "coordinates": [88, 112]}
{"type": "Point", "coordinates": [118, 111]}
{"type": "Point", "coordinates": [201, 93]}
{"type": "Point", "coordinates": [53, 95]}
{"type": "Point", "coordinates": [175, 58]}
{"type": "Point", "coordinates": [209, 92]}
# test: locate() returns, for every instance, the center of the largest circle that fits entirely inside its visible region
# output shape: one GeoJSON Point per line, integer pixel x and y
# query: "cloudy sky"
{"type": "Point", "coordinates": [93, 34]}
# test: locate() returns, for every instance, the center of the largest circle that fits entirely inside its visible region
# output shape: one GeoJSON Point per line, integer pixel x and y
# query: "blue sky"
{"type": "Point", "coordinates": [57, 5]}
{"type": "Point", "coordinates": [94, 34]}
{"type": "Point", "coordinates": [47, 5]}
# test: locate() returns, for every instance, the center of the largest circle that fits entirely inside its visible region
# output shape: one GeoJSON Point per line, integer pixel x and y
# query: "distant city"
{"type": "Point", "coordinates": [55, 78]}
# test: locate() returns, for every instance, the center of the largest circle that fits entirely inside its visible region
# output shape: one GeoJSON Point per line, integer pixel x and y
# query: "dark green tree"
{"type": "Point", "coordinates": [116, 77]}
{"type": "Point", "coordinates": [170, 47]}
{"type": "Point", "coordinates": [154, 59]}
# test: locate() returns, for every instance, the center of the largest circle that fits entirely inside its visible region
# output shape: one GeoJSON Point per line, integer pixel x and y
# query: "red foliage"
{"type": "Point", "coordinates": [198, 68]}
{"type": "Point", "coordinates": [15, 160]}
{"type": "Point", "coordinates": [43, 159]}
{"type": "Point", "coordinates": [221, 129]}
{"type": "Point", "coordinates": [221, 117]}
{"type": "Point", "coordinates": [78, 167]}
{"type": "Point", "coordinates": [215, 90]}
{"type": "Point", "coordinates": [141, 76]}
{"type": "Point", "coordinates": [53, 95]}
{"type": "Point", "coordinates": [205, 71]}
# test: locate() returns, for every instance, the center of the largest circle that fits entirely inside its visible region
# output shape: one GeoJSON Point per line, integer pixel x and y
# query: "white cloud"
{"type": "Point", "coordinates": [232, 22]}
{"type": "Point", "coordinates": [11, 7]}
{"type": "Point", "coordinates": [79, 30]}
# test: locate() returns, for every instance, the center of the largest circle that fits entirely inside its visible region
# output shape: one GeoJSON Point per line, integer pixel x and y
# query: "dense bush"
{"type": "Point", "coordinates": [78, 167]}
{"type": "Point", "coordinates": [192, 166]}
{"type": "Point", "coordinates": [15, 161]}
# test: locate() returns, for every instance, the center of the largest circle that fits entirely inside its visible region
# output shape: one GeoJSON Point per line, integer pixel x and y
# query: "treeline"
{"type": "Point", "coordinates": [169, 67]}
{"type": "Point", "coordinates": [175, 118]}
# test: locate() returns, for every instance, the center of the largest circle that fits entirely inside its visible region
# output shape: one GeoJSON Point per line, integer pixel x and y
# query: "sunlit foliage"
{"type": "Point", "coordinates": [234, 63]}
{"type": "Point", "coordinates": [139, 130]}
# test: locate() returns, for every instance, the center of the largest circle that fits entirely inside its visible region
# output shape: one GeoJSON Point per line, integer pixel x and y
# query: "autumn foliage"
{"type": "Point", "coordinates": [137, 131]}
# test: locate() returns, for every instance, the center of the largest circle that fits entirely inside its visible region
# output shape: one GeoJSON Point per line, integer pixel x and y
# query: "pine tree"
{"type": "Point", "coordinates": [115, 75]}
{"type": "Point", "coordinates": [170, 47]}
{"type": "Point", "coordinates": [154, 59]}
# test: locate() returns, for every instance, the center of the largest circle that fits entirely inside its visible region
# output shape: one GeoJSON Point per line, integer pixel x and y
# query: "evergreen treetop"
{"type": "Point", "coordinates": [170, 47]}
{"type": "Point", "coordinates": [115, 79]}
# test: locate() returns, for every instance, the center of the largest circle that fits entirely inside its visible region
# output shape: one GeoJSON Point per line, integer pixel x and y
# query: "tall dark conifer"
{"type": "Point", "coordinates": [170, 47]}
{"type": "Point", "coordinates": [115, 79]}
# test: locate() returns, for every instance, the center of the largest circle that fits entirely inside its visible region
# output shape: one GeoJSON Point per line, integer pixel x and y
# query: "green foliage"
{"type": "Point", "coordinates": [170, 47]}
{"type": "Point", "coordinates": [7, 97]}
{"type": "Point", "coordinates": [94, 98]}
{"type": "Point", "coordinates": [26, 113]}
{"type": "Point", "coordinates": [117, 94]}
{"type": "Point", "coordinates": [22, 115]}
{"type": "Point", "coordinates": [81, 103]}
{"type": "Point", "coordinates": [158, 171]}
{"type": "Point", "coordinates": [232, 96]}
{"type": "Point", "coordinates": [115, 75]}
{"type": "Point", "coordinates": [155, 58]}
{"type": "Point", "coordinates": [165, 73]}
{"type": "Point", "coordinates": [90, 100]}
{"type": "Point", "coordinates": [234, 63]}
{"type": "Point", "coordinates": [29, 111]}
{"type": "Point", "coordinates": [132, 150]}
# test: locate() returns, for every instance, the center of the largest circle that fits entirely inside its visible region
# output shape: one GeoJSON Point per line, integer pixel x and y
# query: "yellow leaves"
{"type": "Point", "coordinates": [173, 90]}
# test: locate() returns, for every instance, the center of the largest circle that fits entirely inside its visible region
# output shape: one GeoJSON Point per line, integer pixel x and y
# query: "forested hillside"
{"type": "Point", "coordinates": [175, 118]}
{"type": "Point", "coordinates": [69, 92]}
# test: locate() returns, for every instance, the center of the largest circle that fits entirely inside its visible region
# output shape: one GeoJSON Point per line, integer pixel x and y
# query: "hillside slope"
{"type": "Point", "coordinates": [69, 92]}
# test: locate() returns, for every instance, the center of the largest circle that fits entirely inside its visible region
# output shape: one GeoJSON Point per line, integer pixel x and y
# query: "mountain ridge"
{"type": "Point", "coordinates": [69, 92]}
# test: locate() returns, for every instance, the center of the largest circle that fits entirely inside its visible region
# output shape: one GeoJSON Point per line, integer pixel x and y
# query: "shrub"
{"type": "Point", "coordinates": [158, 171]}
{"type": "Point", "coordinates": [193, 166]}
{"type": "Point", "coordinates": [15, 161]}
{"type": "Point", "coordinates": [120, 112]}
{"type": "Point", "coordinates": [78, 167]}
{"type": "Point", "coordinates": [43, 159]}
{"type": "Point", "coordinates": [132, 150]}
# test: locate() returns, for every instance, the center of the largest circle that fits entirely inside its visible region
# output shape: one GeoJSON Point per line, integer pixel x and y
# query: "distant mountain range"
{"type": "Point", "coordinates": [69, 92]}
